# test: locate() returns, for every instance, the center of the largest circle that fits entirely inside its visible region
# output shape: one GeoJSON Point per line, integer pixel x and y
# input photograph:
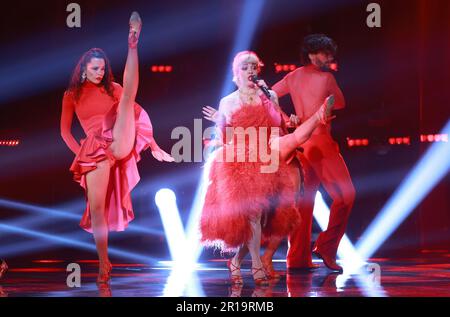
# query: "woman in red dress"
{"type": "Point", "coordinates": [117, 129]}
{"type": "Point", "coordinates": [244, 205]}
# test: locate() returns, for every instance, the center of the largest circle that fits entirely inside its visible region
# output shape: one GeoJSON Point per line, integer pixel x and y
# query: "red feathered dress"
{"type": "Point", "coordinates": [239, 191]}
{"type": "Point", "coordinates": [96, 111]}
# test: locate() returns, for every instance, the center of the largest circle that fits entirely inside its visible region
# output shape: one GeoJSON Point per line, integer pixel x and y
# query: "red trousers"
{"type": "Point", "coordinates": [323, 164]}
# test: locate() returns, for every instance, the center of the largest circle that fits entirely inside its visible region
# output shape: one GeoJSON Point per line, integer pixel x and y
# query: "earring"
{"type": "Point", "coordinates": [83, 77]}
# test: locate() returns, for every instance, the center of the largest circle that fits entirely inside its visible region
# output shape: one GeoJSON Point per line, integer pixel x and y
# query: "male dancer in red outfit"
{"type": "Point", "coordinates": [309, 86]}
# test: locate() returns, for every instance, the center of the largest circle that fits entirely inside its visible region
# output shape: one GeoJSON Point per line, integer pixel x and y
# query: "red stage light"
{"type": "Point", "coordinates": [357, 142]}
{"type": "Point", "coordinates": [399, 140]}
{"type": "Point", "coordinates": [434, 137]}
{"type": "Point", "coordinates": [284, 67]}
{"type": "Point", "coordinates": [9, 142]}
{"type": "Point", "coordinates": [161, 68]}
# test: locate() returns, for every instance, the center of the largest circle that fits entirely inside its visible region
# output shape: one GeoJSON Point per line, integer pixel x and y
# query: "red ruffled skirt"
{"type": "Point", "coordinates": [238, 192]}
{"type": "Point", "coordinates": [124, 174]}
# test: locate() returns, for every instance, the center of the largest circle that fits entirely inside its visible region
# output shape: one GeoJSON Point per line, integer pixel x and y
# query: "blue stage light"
{"type": "Point", "coordinates": [431, 168]}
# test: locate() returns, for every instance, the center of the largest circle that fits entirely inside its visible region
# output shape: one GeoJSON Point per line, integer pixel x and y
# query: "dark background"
{"type": "Point", "coordinates": [395, 79]}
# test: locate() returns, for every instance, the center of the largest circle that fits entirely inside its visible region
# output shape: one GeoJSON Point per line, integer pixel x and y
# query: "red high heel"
{"type": "Point", "coordinates": [260, 281]}
{"type": "Point", "coordinates": [104, 278]}
{"type": "Point", "coordinates": [135, 29]}
{"type": "Point", "coordinates": [324, 113]}
{"type": "Point", "coordinates": [268, 267]}
{"type": "Point", "coordinates": [235, 279]}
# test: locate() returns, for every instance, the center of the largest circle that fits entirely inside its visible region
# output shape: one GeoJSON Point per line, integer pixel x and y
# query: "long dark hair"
{"type": "Point", "coordinates": [76, 81]}
{"type": "Point", "coordinates": [315, 43]}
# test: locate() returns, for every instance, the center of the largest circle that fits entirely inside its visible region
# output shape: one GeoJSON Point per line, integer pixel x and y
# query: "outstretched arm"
{"type": "Point", "coordinates": [66, 123]}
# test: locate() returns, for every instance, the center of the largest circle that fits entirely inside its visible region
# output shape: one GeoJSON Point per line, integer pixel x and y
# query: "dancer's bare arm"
{"type": "Point", "coordinates": [68, 110]}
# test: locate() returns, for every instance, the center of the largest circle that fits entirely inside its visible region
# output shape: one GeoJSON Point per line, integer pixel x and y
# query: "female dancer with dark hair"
{"type": "Point", "coordinates": [117, 130]}
{"type": "Point", "coordinates": [242, 203]}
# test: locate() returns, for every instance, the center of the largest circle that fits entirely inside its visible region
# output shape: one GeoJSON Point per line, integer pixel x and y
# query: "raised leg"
{"type": "Point", "coordinates": [124, 131]}
{"type": "Point", "coordinates": [287, 144]}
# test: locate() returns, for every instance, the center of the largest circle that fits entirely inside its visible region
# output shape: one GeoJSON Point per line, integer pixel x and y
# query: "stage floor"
{"type": "Point", "coordinates": [423, 277]}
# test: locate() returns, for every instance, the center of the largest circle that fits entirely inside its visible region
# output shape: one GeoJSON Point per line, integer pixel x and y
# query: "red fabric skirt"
{"type": "Point", "coordinates": [124, 174]}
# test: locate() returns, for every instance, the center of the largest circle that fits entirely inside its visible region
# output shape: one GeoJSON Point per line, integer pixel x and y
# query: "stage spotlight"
{"type": "Point", "coordinates": [181, 248]}
{"type": "Point", "coordinates": [165, 199]}
{"type": "Point", "coordinates": [73, 242]}
{"type": "Point", "coordinates": [351, 261]}
{"type": "Point", "coordinates": [431, 168]}
{"type": "Point", "coordinates": [247, 26]}
{"type": "Point", "coordinates": [44, 215]}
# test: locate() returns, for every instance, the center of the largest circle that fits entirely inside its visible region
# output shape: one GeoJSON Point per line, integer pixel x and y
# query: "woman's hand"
{"type": "Point", "coordinates": [262, 83]}
{"type": "Point", "coordinates": [160, 154]}
{"type": "Point", "coordinates": [211, 114]}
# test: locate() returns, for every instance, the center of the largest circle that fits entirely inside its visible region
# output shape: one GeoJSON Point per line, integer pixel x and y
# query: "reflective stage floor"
{"type": "Point", "coordinates": [427, 276]}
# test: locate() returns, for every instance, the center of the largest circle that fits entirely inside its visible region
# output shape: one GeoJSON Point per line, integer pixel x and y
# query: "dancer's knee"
{"type": "Point", "coordinates": [119, 152]}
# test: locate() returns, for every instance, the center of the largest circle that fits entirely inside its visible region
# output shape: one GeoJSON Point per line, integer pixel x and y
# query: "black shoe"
{"type": "Point", "coordinates": [329, 261]}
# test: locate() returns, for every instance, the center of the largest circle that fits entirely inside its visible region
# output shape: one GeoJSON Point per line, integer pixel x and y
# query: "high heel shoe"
{"type": "Point", "coordinates": [3, 269]}
{"type": "Point", "coordinates": [270, 271]}
{"type": "Point", "coordinates": [235, 278]}
{"type": "Point", "coordinates": [324, 113]}
{"type": "Point", "coordinates": [135, 29]}
{"type": "Point", "coordinates": [260, 281]}
{"type": "Point", "coordinates": [105, 277]}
